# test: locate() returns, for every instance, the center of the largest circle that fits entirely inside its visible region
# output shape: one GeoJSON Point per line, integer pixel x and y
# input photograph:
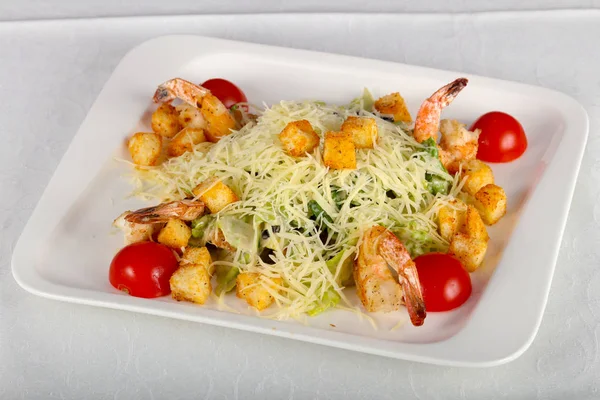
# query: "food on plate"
{"type": "Point", "coordinates": [191, 281]}
{"type": "Point", "coordinates": [502, 137]}
{"type": "Point", "coordinates": [363, 131]}
{"type": "Point", "coordinates": [175, 234]}
{"type": "Point", "coordinates": [185, 140]}
{"type": "Point", "coordinates": [470, 240]}
{"type": "Point", "coordinates": [145, 148]}
{"type": "Point", "coordinates": [297, 205]}
{"type": "Point", "coordinates": [339, 151]}
{"type": "Point", "coordinates": [219, 121]}
{"type": "Point", "coordinates": [299, 138]}
{"type": "Point", "coordinates": [478, 175]}
{"type": "Point", "coordinates": [227, 92]}
{"type": "Point", "coordinates": [446, 284]}
{"type": "Point", "coordinates": [186, 210]}
{"type": "Point", "coordinates": [257, 289]}
{"type": "Point", "coordinates": [427, 124]}
{"type": "Point", "coordinates": [490, 201]}
{"type": "Point", "coordinates": [215, 194]}
{"type": "Point", "coordinates": [143, 269]}
{"type": "Point", "coordinates": [393, 104]}
{"type": "Point", "coordinates": [380, 253]}
{"type": "Point", "coordinates": [165, 121]}
{"type": "Point", "coordinates": [190, 116]}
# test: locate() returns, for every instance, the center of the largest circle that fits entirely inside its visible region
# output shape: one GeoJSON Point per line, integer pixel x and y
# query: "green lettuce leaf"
{"type": "Point", "coordinates": [226, 276]}
{"type": "Point", "coordinates": [330, 299]}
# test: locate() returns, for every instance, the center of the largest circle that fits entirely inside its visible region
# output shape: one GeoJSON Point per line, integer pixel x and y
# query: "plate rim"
{"type": "Point", "coordinates": [568, 152]}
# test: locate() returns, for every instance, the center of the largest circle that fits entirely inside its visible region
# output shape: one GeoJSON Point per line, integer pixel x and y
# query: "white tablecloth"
{"type": "Point", "coordinates": [50, 73]}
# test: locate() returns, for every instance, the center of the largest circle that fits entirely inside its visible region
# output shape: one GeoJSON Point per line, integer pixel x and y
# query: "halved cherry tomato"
{"type": "Point", "coordinates": [445, 283]}
{"type": "Point", "coordinates": [143, 269]}
{"type": "Point", "coordinates": [502, 137]}
{"type": "Point", "coordinates": [226, 91]}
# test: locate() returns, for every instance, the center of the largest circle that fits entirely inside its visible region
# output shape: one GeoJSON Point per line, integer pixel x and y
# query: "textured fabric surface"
{"type": "Point", "coordinates": [51, 72]}
{"type": "Point", "coordinates": [42, 9]}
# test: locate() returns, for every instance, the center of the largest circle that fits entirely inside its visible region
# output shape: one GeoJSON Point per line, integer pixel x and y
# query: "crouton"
{"type": "Point", "coordinates": [363, 131]}
{"type": "Point", "coordinates": [165, 121]}
{"type": "Point", "coordinates": [197, 255]}
{"type": "Point", "coordinates": [469, 251]}
{"type": "Point", "coordinates": [478, 175]}
{"type": "Point", "coordinates": [191, 282]}
{"type": "Point", "coordinates": [473, 225]}
{"type": "Point", "coordinates": [175, 234]}
{"type": "Point", "coordinates": [450, 220]}
{"type": "Point", "coordinates": [490, 201]}
{"type": "Point", "coordinates": [298, 138]}
{"type": "Point", "coordinates": [250, 288]}
{"type": "Point", "coordinates": [184, 141]}
{"type": "Point", "coordinates": [215, 194]}
{"type": "Point", "coordinates": [339, 151]}
{"type": "Point", "coordinates": [393, 104]}
{"type": "Point", "coordinates": [219, 119]}
{"type": "Point", "coordinates": [465, 231]}
{"type": "Point", "coordinates": [190, 116]}
{"type": "Point", "coordinates": [145, 148]}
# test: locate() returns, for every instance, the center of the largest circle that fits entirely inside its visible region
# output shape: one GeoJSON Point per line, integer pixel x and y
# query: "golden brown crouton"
{"type": "Point", "coordinates": [165, 121]}
{"type": "Point", "coordinates": [469, 251]}
{"type": "Point", "coordinates": [298, 138]}
{"type": "Point", "coordinates": [363, 131]}
{"type": "Point", "coordinates": [339, 151]}
{"type": "Point", "coordinates": [250, 288]}
{"type": "Point", "coordinates": [191, 282]}
{"type": "Point", "coordinates": [473, 225]}
{"type": "Point", "coordinates": [393, 104]}
{"type": "Point", "coordinates": [465, 231]}
{"type": "Point", "coordinates": [478, 175]}
{"type": "Point", "coordinates": [197, 255]}
{"type": "Point", "coordinates": [190, 116]}
{"type": "Point", "coordinates": [490, 201]}
{"type": "Point", "coordinates": [175, 234]}
{"type": "Point", "coordinates": [470, 243]}
{"type": "Point", "coordinates": [450, 219]}
{"type": "Point", "coordinates": [219, 119]}
{"type": "Point", "coordinates": [184, 141]}
{"type": "Point", "coordinates": [215, 194]}
{"type": "Point", "coordinates": [145, 148]}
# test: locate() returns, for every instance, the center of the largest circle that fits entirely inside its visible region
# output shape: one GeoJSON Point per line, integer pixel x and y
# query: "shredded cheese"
{"type": "Point", "coordinates": [388, 187]}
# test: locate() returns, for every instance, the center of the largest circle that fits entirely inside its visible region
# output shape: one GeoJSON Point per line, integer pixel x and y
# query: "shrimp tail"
{"type": "Point", "coordinates": [415, 304]}
{"type": "Point", "coordinates": [185, 210]}
{"type": "Point", "coordinates": [428, 117]}
{"type": "Point", "coordinates": [181, 89]}
{"type": "Point", "coordinates": [163, 95]}
{"type": "Point", "coordinates": [395, 254]}
{"type": "Point", "coordinates": [449, 92]}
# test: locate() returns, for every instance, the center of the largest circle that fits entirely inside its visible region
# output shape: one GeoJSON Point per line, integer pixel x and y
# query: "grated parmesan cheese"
{"type": "Point", "coordinates": [275, 190]}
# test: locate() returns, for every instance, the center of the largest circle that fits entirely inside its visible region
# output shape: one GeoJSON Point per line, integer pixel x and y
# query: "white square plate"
{"type": "Point", "coordinates": [66, 248]}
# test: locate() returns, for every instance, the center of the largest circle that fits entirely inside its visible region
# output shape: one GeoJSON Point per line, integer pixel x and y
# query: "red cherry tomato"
{"type": "Point", "coordinates": [502, 137]}
{"type": "Point", "coordinates": [143, 269]}
{"type": "Point", "coordinates": [445, 283]}
{"type": "Point", "coordinates": [226, 91]}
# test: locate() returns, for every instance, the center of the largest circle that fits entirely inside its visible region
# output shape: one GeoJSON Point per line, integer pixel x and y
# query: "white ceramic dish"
{"type": "Point", "coordinates": [66, 247]}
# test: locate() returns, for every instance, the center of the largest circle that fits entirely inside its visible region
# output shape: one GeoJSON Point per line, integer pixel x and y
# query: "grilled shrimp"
{"type": "Point", "coordinates": [428, 118]}
{"type": "Point", "coordinates": [133, 232]}
{"type": "Point", "coordinates": [457, 144]}
{"type": "Point", "coordinates": [185, 210]}
{"type": "Point", "coordinates": [376, 286]}
{"type": "Point", "coordinates": [218, 118]}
